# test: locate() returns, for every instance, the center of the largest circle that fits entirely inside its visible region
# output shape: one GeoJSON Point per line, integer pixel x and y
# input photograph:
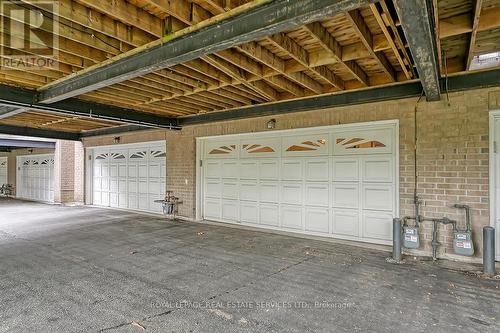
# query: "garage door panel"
{"type": "Point", "coordinates": [291, 170]}
{"type": "Point", "coordinates": [249, 191]}
{"type": "Point", "coordinates": [317, 220]}
{"type": "Point", "coordinates": [249, 212]}
{"type": "Point", "coordinates": [346, 169]}
{"type": "Point", "coordinates": [249, 170]}
{"type": "Point", "coordinates": [269, 192]}
{"type": "Point", "coordinates": [230, 189]}
{"type": "Point", "coordinates": [132, 171]}
{"type": "Point", "coordinates": [154, 187]}
{"type": "Point", "coordinates": [316, 169]}
{"type": "Point", "coordinates": [291, 193]}
{"type": "Point", "coordinates": [230, 210]}
{"type": "Point", "coordinates": [154, 170]}
{"type": "Point", "coordinates": [269, 170]}
{"type": "Point", "coordinates": [269, 215]}
{"type": "Point", "coordinates": [142, 171]}
{"type": "Point", "coordinates": [378, 169]}
{"type": "Point", "coordinates": [292, 217]}
{"type": "Point", "coordinates": [377, 225]}
{"type": "Point", "coordinates": [378, 197]}
{"type": "Point", "coordinates": [212, 208]}
{"type": "Point", "coordinates": [133, 201]}
{"type": "Point", "coordinates": [113, 170]}
{"type": "Point", "coordinates": [345, 222]}
{"type": "Point", "coordinates": [213, 169]}
{"type": "Point", "coordinates": [317, 194]}
{"type": "Point", "coordinates": [346, 195]}
{"type": "Point", "coordinates": [144, 202]}
{"type": "Point", "coordinates": [230, 169]}
{"type": "Point", "coordinates": [213, 188]}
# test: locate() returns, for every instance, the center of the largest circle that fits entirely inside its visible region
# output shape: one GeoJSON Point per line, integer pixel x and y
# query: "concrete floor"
{"type": "Point", "coordinates": [82, 269]}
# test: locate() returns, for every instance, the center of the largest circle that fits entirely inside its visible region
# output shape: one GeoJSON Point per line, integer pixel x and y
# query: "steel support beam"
{"type": "Point", "coordinates": [9, 111]}
{"type": "Point", "coordinates": [114, 131]}
{"type": "Point", "coordinates": [38, 133]}
{"type": "Point", "coordinates": [474, 80]}
{"type": "Point", "coordinates": [417, 21]}
{"type": "Point", "coordinates": [20, 98]}
{"type": "Point", "coordinates": [26, 143]}
{"type": "Point", "coordinates": [267, 18]}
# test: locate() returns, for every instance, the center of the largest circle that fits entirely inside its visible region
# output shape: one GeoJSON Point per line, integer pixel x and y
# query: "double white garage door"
{"type": "Point", "coordinates": [337, 181]}
{"type": "Point", "coordinates": [129, 176]}
{"type": "Point", "coordinates": [35, 177]}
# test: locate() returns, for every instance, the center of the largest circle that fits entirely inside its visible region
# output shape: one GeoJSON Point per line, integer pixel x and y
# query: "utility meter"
{"type": "Point", "coordinates": [462, 243]}
{"type": "Point", "coordinates": [462, 239]}
{"type": "Point", "coordinates": [411, 238]}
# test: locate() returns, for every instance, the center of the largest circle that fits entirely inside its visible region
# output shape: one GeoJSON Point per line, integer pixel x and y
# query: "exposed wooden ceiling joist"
{"type": "Point", "coordinates": [253, 23]}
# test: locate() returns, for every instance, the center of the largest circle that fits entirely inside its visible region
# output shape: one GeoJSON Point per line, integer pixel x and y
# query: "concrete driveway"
{"type": "Point", "coordinates": [83, 269]}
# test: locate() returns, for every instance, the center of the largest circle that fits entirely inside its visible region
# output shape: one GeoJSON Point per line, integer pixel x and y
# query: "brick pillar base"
{"type": "Point", "coordinates": [68, 172]}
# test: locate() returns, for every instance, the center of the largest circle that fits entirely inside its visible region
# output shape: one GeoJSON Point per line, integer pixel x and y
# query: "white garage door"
{"type": "Point", "coordinates": [3, 170]}
{"type": "Point", "coordinates": [35, 177]}
{"type": "Point", "coordinates": [130, 176]}
{"type": "Point", "coordinates": [335, 181]}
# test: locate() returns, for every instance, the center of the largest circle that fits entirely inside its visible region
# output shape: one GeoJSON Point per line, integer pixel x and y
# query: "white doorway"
{"type": "Point", "coordinates": [495, 176]}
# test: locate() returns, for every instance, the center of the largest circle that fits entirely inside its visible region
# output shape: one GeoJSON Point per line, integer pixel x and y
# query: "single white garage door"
{"type": "Point", "coordinates": [130, 176]}
{"type": "Point", "coordinates": [35, 177]}
{"type": "Point", "coordinates": [337, 181]}
{"type": "Point", "coordinates": [3, 170]}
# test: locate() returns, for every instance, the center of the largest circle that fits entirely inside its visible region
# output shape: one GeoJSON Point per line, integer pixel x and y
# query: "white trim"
{"type": "Point", "coordinates": [199, 178]}
{"type": "Point", "coordinates": [493, 115]}
{"type": "Point", "coordinates": [200, 142]}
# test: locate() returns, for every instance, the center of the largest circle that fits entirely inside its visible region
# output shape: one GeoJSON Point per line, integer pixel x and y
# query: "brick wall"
{"type": "Point", "coordinates": [68, 172]}
{"type": "Point", "coordinates": [452, 151]}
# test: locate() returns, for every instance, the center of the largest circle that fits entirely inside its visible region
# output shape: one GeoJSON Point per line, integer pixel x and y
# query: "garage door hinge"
{"type": "Point", "coordinates": [494, 147]}
{"type": "Point", "coordinates": [201, 163]}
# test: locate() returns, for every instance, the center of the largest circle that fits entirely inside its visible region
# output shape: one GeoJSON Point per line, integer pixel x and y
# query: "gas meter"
{"type": "Point", "coordinates": [411, 237]}
{"type": "Point", "coordinates": [462, 239]}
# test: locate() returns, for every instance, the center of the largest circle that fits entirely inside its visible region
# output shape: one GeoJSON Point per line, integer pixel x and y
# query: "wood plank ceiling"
{"type": "Point", "coordinates": [354, 50]}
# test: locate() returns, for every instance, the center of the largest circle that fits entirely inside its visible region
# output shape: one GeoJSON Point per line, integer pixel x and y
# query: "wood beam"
{"type": "Point", "coordinates": [301, 56]}
{"type": "Point", "coordinates": [326, 40]}
{"type": "Point", "coordinates": [472, 38]}
{"type": "Point", "coordinates": [129, 14]}
{"type": "Point", "coordinates": [472, 80]}
{"type": "Point", "coordinates": [417, 21]}
{"type": "Point", "coordinates": [389, 35]}
{"type": "Point", "coordinates": [21, 98]}
{"type": "Point", "coordinates": [461, 24]}
{"type": "Point", "coordinates": [241, 25]}
{"type": "Point", "coordinates": [362, 30]}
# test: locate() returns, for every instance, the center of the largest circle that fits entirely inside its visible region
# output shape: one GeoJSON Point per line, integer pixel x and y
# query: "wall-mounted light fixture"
{"type": "Point", "coordinates": [271, 124]}
{"type": "Point", "coordinates": [116, 139]}
{"type": "Point", "coordinates": [30, 151]}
